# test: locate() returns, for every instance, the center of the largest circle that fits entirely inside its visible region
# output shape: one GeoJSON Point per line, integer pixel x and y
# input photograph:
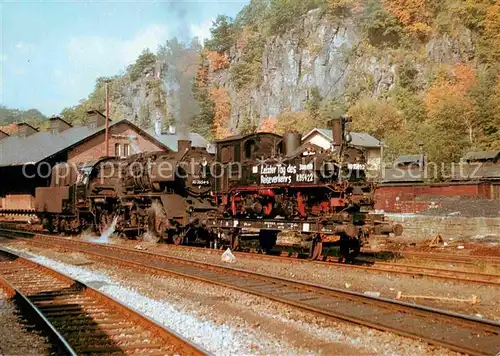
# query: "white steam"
{"type": "Point", "coordinates": [104, 238]}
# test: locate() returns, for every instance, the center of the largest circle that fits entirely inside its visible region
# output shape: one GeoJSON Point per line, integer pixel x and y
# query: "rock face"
{"type": "Point", "coordinates": [327, 55]}
{"type": "Point", "coordinates": [316, 53]}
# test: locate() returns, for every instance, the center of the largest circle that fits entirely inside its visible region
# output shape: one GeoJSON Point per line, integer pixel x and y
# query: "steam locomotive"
{"type": "Point", "coordinates": [283, 187]}
{"type": "Point", "coordinates": [260, 190]}
{"type": "Point", "coordinates": [166, 195]}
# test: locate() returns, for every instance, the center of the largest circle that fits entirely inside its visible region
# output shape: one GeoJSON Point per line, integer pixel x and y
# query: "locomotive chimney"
{"type": "Point", "coordinates": [337, 131]}
{"type": "Point", "coordinates": [291, 141]}
{"type": "Point", "coordinates": [183, 145]}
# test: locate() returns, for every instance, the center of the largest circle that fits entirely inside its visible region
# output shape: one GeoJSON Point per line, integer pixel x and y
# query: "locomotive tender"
{"type": "Point", "coordinates": [255, 191]}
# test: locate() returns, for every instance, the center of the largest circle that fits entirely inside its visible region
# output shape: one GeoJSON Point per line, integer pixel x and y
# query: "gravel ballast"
{"type": "Point", "coordinates": [387, 284]}
{"type": "Point", "coordinates": [225, 321]}
{"type": "Point", "coordinates": [15, 338]}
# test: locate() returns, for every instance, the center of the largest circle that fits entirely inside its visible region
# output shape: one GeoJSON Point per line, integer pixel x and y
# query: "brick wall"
{"type": "Point", "coordinates": [421, 227]}
{"type": "Point", "coordinates": [95, 147]}
{"type": "Point", "coordinates": [417, 198]}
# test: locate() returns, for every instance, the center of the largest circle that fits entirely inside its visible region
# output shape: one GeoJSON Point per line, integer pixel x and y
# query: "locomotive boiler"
{"type": "Point", "coordinates": [270, 186]}
{"type": "Point", "coordinates": [167, 195]}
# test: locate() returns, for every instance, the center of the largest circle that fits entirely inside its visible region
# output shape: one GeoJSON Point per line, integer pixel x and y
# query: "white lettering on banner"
{"type": "Point", "coordinates": [268, 170]}
{"type": "Point", "coordinates": [305, 177]}
{"type": "Point", "coordinates": [276, 179]}
{"type": "Point", "coordinates": [287, 174]}
{"type": "Point", "coordinates": [306, 167]}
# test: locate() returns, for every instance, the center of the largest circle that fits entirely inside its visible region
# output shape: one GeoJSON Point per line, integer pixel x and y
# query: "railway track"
{"type": "Point", "coordinates": [450, 257]}
{"type": "Point", "coordinates": [455, 331]}
{"type": "Point", "coordinates": [415, 271]}
{"type": "Point", "coordinates": [80, 320]}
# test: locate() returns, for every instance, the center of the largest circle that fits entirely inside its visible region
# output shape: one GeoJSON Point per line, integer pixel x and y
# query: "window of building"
{"type": "Point", "coordinates": [126, 149]}
{"type": "Point", "coordinates": [118, 150]}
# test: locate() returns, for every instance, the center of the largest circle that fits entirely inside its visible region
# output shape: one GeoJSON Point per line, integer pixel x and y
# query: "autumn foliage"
{"type": "Point", "coordinates": [217, 60]}
{"type": "Point", "coordinates": [222, 111]}
{"type": "Point", "coordinates": [267, 125]}
{"type": "Point", "coordinates": [449, 93]}
{"type": "Point", "coordinates": [491, 39]}
{"type": "Point", "coordinates": [414, 15]}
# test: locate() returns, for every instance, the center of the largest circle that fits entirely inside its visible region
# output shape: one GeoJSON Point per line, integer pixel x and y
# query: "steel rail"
{"type": "Point", "coordinates": [414, 271]}
{"type": "Point", "coordinates": [450, 257]}
{"type": "Point", "coordinates": [58, 343]}
{"type": "Point", "coordinates": [81, 319]}
{"type": "Point", "coordinates": [455, 331]}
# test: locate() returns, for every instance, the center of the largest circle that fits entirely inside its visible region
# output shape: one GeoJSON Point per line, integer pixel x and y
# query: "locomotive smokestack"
{"type": "Point", "coordinates": [291, 141]}
{"type": "Point", "coordinates": [337, 131]}
{"type": "Point", "coordinates": [183, 145]}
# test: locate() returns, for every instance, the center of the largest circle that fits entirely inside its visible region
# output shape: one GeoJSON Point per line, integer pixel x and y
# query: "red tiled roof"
{"type": "Point", "coordinates": [9, 129]}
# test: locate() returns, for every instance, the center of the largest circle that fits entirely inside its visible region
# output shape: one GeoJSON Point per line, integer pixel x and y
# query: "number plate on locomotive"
{"type": "Point", "coordinates": [356, 166]}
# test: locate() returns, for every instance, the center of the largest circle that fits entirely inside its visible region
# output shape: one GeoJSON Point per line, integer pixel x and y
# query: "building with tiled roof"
{"type": "Point", "coordinates": [27, 150]}
{"type": "Point", "coordinates": [373, 148]}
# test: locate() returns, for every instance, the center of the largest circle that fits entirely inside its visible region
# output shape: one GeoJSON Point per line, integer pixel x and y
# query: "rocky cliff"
{"type": "Point", "coordinates": [332, 58]}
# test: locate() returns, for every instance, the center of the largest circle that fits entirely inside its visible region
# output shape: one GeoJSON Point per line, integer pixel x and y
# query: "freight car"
{"type": "Point", "coordinates": [276, 191]}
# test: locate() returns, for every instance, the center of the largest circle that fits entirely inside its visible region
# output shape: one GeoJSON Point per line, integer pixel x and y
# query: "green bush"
{"type": "Point", "coordinates": [248, 70]}
{"type": "Point", "coordinates": [381, 27]}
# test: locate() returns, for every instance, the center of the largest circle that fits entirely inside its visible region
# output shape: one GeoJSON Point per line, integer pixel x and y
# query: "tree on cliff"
{"type": "Point", "coordinates": [223, 35]}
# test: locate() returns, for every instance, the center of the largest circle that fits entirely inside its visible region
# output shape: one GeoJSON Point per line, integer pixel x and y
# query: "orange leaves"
{"type": "Point", "coordinates": [217, 61]}
{"type": "Point", "coordinates": [448, 103]}
{"type": "Point", "coordinates": [414, 15]}
{"type": "Point", "coordinates": [491, 37]}
{"type": "Point", "coordinates": [464, 77]}
{"type": "Point", "coordinates": [201, 79]}
{"type": "Point", "coordinates": [267, 125]}
{"type": "Point", "coordinates": [222, 111]}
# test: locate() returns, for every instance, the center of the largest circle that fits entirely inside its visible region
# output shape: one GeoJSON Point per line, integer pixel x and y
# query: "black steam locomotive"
{"type": "Point", "coordinates": [261, 190]}
{"type": "Point", "coordinates": [275, 190]}
{"type": "Point", "coordinates": [166, 195]}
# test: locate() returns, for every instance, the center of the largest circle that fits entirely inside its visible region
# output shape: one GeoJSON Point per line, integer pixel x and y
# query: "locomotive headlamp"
{"type": "Point", "coordinates": [348, 137]}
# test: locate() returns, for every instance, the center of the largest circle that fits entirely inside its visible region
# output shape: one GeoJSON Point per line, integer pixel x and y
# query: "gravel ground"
{"type": "Point", "coordinates": [386, 284]}
{"type": "Point", "coordinates": [225, 321]}
{"type": "Point", "coordinates": [15, 339]}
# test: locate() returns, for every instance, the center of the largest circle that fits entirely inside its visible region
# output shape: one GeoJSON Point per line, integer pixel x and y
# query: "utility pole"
{"type": "Point", "coordinates": [107, 120]}
{"type": "Point", "coordinates": [382, 162]}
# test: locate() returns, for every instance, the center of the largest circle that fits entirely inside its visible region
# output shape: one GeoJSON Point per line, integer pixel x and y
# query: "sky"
{"type": "Point", "coordinates": [51, 52]}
